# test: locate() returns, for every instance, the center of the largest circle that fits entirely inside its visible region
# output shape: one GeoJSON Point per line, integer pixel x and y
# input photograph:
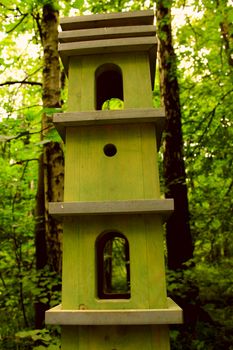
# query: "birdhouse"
{"type": "Point", "coordinates": [113, 282]}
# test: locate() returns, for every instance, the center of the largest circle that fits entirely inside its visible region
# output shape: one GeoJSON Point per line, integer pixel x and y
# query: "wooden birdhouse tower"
{"type": "Point", "coordinates": [113, 283]}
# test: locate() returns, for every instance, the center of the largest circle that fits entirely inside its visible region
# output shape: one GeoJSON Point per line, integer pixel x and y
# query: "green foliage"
{"type": "Point", "coordinates": [207, 290]}
{"type": "Point", "coordinates": [113, 103]}
{"type": "Point", "coordinates": [98, 6]}
{"type": "Point", "coordinates": [204, 47]}
{"type": "Point", "coordinates": [206, 97]}
{"type": "Point", "coordinates": [115, 265]}
{"type": "Point", "coordinates": [38, 339]}
{"type": "Point", "coordinates": [205, 75]}
{"type": "Point", "coordinates": [18, 169]}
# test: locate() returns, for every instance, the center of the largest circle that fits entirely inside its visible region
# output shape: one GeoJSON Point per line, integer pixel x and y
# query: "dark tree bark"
{"type": "Point", "coordinates": [179, 242]}
{"type": "Point", "coordinates": [226, 32]}
{"type": "Point", "coordinates": [51, 172]}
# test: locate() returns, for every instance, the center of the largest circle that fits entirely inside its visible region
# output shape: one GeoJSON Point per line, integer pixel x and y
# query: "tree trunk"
{"type": "Point", "coordinates": [226, 32]}
{"type": "Point", "coordinates": [51, 173]}
{"type": "Point", "coordinates": [179, 242]}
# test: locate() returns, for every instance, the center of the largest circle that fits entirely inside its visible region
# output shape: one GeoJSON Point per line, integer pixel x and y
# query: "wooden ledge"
{"type": "Point", "coordinates": [107, 20]}
{"type": "Point", "coordinates": [163, 207]}
{"type": "Point", "coordinates": [171, 315]}
{"type": "Point", "coordinates": [106, 33]}
{"type": "Point", "coordinates": [89, 47]}
{"type": "Point", "coordinates": [123, 116]}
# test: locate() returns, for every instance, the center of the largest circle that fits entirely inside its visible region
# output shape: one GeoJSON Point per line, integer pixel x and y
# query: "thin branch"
{"type": "Point", "coordinates": [36, 71]}
{"type": "Point", "coordinates": [17, 24]}
{"type": "Point", "coordinates": [38, 23]}
{"type": "Point", "coordinates": [229, 189]}
{"type": "Point", "coordinates": [3, 282]}
{"type": "Point", "coordinates": [21, 82]}
{"type": "Point", "coordinates": [22, 134]}
{"type": "Point", "coordinates": [7, 8]}
{"type": "Point", "coordinates": [23, 108]}
{"type": "Point", "coordinates": [24, 81]}
{"type": "Point", "coordinates": [15, 137]}
{"type": "Point", "coordinates": [20, 162]}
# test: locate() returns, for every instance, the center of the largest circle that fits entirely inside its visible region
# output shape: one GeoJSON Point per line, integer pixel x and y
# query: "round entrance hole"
{"type": "Point", "coordinates": [110, 150]}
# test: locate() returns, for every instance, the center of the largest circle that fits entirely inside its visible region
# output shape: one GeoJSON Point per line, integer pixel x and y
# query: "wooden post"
{"type": "Point", "coordinates": [113, 285]}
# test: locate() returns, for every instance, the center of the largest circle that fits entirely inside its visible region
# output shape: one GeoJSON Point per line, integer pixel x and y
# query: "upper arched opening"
{"type": "Point", "coordinates": [109, 84]}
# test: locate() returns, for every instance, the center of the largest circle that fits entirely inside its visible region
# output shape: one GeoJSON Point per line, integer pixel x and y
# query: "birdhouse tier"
{"type": "Point", "coordinates": [108, 33]}
{"type": "Point", "coordinates": [128, 116]}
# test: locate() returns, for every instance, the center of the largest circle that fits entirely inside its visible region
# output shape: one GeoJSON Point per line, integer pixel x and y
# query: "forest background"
{"type": "Point", "coordinates": [33, 86]}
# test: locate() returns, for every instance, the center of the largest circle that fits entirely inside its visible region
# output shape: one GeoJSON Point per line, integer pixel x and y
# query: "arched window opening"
{"type": "Point", "coordinates": [113, 267]}
{"type": "Point", "coordinates": [109, 87]}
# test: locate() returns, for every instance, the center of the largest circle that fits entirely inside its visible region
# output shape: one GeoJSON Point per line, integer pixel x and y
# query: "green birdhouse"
{"type": "Point", "coordinates": [113, 283]}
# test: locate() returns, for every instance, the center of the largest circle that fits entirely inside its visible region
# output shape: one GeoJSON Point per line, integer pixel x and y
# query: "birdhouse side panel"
{"type": "Point", "coordinates": [135, 71]}
{"type": "Point", "coordinates": [137, 81]}
{"type": "Point", "coordinates": [80, 275]}
{"type": "Point", "coordinates": [131, 173]}
{"type": "Point", "coordinates": [146, 262]}
{"type": "Point", "coordinates": [81, 88]}
{"type": "Point", "coordinates": [71, 269]}
{"type": "Point", "coordinates": [155, 262]}
{"type": "Point", "coordinates": [115, 337]}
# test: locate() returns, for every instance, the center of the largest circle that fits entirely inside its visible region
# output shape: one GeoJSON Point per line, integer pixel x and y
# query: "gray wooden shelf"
{"type": "Point", "coordinates": [170, 315]}
{"type": "Point", "coordinates": [77, 48]}
{"type": "Point", "coordinates": [124, 116]}
{"type": "Point", "coordinates": [163, 207]}
{"type": "Point", "coordinates": [106, 33]}
{"type": "Point", "coordinates": [136, 18]}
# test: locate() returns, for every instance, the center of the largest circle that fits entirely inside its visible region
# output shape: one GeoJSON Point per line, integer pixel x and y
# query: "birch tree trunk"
{"type": "Point", "coordinates": [51, 173]}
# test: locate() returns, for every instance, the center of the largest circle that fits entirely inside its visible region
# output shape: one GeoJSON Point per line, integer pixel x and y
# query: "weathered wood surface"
{"type": "Point", "coordinates": [106, 33]}
{"type": "Point", "coordinates": [137, 337]}
{"type": "Point", "coordinates": [136, 115]}
{"type": "Point", "coordinates": [129, 175]}
{"type": "Point", "coordinates": [97, 177]}
{"type": "Point", "coordinates": [106, 20]}
{"type": "Point", "coordinates": [133, 115]}
{"type": "Point", "coordinates": [157, 206]}
{"type": "Point", "coordinates": [93, 47]}
{"type": "Point", "coordinates": [171, 315]}
{"type": "Point", "coordinates": [147, 283]}
{"type": "Point", "coordinates": [135, 72]}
